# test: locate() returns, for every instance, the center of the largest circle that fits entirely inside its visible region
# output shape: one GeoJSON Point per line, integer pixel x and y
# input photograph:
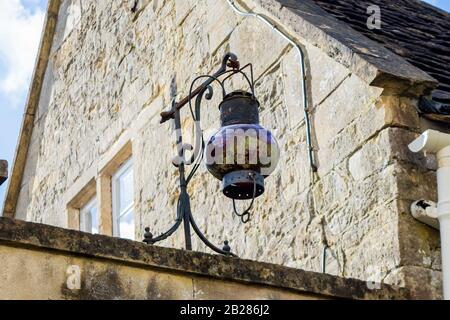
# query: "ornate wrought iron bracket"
{"type": "Point", "coordinates": [230, 66]}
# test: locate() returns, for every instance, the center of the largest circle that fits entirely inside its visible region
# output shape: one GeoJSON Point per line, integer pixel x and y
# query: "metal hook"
{"type": "Point", "coordinates": [245, 216]}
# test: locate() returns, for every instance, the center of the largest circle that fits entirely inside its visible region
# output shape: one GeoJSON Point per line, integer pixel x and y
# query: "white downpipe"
{"type": "Point", "coordinates": [439, 143]}
{"type": "Point", "coordinates": [443, 178]}
{"type": "Point", "coordinates": [426, 212]}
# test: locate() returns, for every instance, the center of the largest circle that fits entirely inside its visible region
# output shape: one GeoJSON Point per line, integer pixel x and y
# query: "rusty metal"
{"type": "Point", "coordinates": [239, 107]}
{"type": "Point", "coordinates": [184, 214]}
{"type": "Point", "coordinates": [229, 60]}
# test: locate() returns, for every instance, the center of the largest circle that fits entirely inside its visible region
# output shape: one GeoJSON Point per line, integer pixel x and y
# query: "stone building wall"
{"type": "Point", "coordinates": [111, 73]}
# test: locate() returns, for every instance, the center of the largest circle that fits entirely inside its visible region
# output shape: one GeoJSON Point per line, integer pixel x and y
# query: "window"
{"type": "Point", "coordinates": [82, 211]}
{"type": "Point", "coordinates": [123, 202]}
{"type": "Point", "coordinates": [89, 220]}
{"type": "Point", "coordinates": [102, 199]}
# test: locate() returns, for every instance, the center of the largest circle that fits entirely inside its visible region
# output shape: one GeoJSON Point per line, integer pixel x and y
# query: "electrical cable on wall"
{"type": "Point", "coordinates": [312, 163]}
{"type": "Point", "coordinates": [274, 27]}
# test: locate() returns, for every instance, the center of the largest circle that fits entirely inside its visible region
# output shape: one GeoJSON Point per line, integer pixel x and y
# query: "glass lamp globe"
{"type": "Point", "coordinates": [241, 153]}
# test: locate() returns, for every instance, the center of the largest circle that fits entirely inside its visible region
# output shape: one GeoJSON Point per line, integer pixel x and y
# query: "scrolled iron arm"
{"type": "Point", "coordinates": [229, 60]}
{"type": "Point", "coordinates": [184, 213]}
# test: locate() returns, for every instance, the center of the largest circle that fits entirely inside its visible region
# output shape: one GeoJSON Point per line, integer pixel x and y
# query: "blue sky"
{"type": "Point", "coordinates": [443, 4]}
{"type": "Point", "coordinates": [20, 27]}
{"type": "Point", "coordinates": [21, 23]}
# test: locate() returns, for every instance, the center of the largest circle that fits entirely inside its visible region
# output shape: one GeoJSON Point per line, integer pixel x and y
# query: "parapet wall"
{"type": "Point", "coordinates": [44, 262]}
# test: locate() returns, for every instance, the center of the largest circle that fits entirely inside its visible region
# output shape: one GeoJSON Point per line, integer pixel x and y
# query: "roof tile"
{"type": "Point", "coordinates": [412, 29]}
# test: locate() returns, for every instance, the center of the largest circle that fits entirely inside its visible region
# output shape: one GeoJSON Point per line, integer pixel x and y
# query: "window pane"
{"type": "Point", "coordinates": [126, 190]}
{"type": "Point", "coordinates": [89, 217]}
{"type": "Point", "coordinates": [94, 220]}
{"type": "Point", "coordinates": [126, 226]}
{"type": "Point", "coordinates": [123, 200]}
{"type": "Point", "coordinates": [85, 222]}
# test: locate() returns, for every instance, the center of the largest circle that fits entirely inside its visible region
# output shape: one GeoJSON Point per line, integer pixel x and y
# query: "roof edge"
{"type": "Point", "coordinates": [432, 7]}
{"type": "Point", "coordinates": [367, 59]}
{"type": "Point", "coordinates": [32, 102]}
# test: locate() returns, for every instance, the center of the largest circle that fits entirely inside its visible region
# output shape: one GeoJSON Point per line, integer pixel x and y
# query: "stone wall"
{"type": "Point", "coordinates": [44, 262]}
{"type": "Point", "coordinates": [111, 72]}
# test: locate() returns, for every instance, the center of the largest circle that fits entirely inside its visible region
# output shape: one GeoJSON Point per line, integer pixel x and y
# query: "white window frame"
{"type": "Point", "coordinates": [87, 209]}
{"type": "Point", "coordinates": [116, 215]}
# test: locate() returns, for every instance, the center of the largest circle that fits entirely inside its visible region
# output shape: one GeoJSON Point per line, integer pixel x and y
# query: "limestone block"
{"type": "Point", "coordinates": [333, 261]}
{"type": "Point", "coordinates": [100, 280]}
{"type": "Point", "coordinates": [192, 49]}
{"type": "Point", "coordinates": [376, 253]}
{"type": "Point", "coordinates": [388, 146]}
{"type": "Point", "coordinates": [400, 111]}
{"type": "Point", "coordinates": [270, 92]}
{"type": "Point", "coordinates": [414, 277]}
{"type": "Point", "coordinates": [345, 104]}
{"type": "Point", "coordinates": [346, 206]}
{"type": "Point", "coordinates": [156, 180]}
{"type": "Point", "coordinates": [221, 290]}
{"type": "Point", "coordinates": [293, 174]}
{"type": "Point", "coordinates": [350, 230]}
{"type": "Point", "coordinates": [252, 45]}
{"type": "Point", "coordinates": [137, 6]}
{"type": "Point", "coordinates": [374, 192]}
{"type": "Point", "coordinates": [324, 75]}
{"type": "Point", "coordinates": [183, 8]}
{"type": "Point", "coordinates": [346, 140]}
{"type": "Point", "coordinates": [332, 191]}
{"type": "Point", "coordinates": [221, 21]}
{"type": "Point", "coordinates": [74, 12]}
{"type": "Point", "coordinates": [415, 183]}
{"type": "Point", "coordinates": [73, 218]}
{"type": "Point", "coordinates": [24, 201]}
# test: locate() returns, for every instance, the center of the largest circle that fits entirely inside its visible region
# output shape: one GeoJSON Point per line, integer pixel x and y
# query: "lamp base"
{"type": "Point", "coordinates": [240, 185]}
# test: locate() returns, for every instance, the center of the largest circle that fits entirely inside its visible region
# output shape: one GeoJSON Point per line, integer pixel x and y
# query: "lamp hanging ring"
{"type": "Point", "coordinates": [245, 216]}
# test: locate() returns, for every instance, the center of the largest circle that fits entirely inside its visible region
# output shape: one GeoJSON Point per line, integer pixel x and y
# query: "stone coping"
{"type": "Point", "coordinates": [3, 171]}
{"type": "Point", "coordinates": [69, 242]}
